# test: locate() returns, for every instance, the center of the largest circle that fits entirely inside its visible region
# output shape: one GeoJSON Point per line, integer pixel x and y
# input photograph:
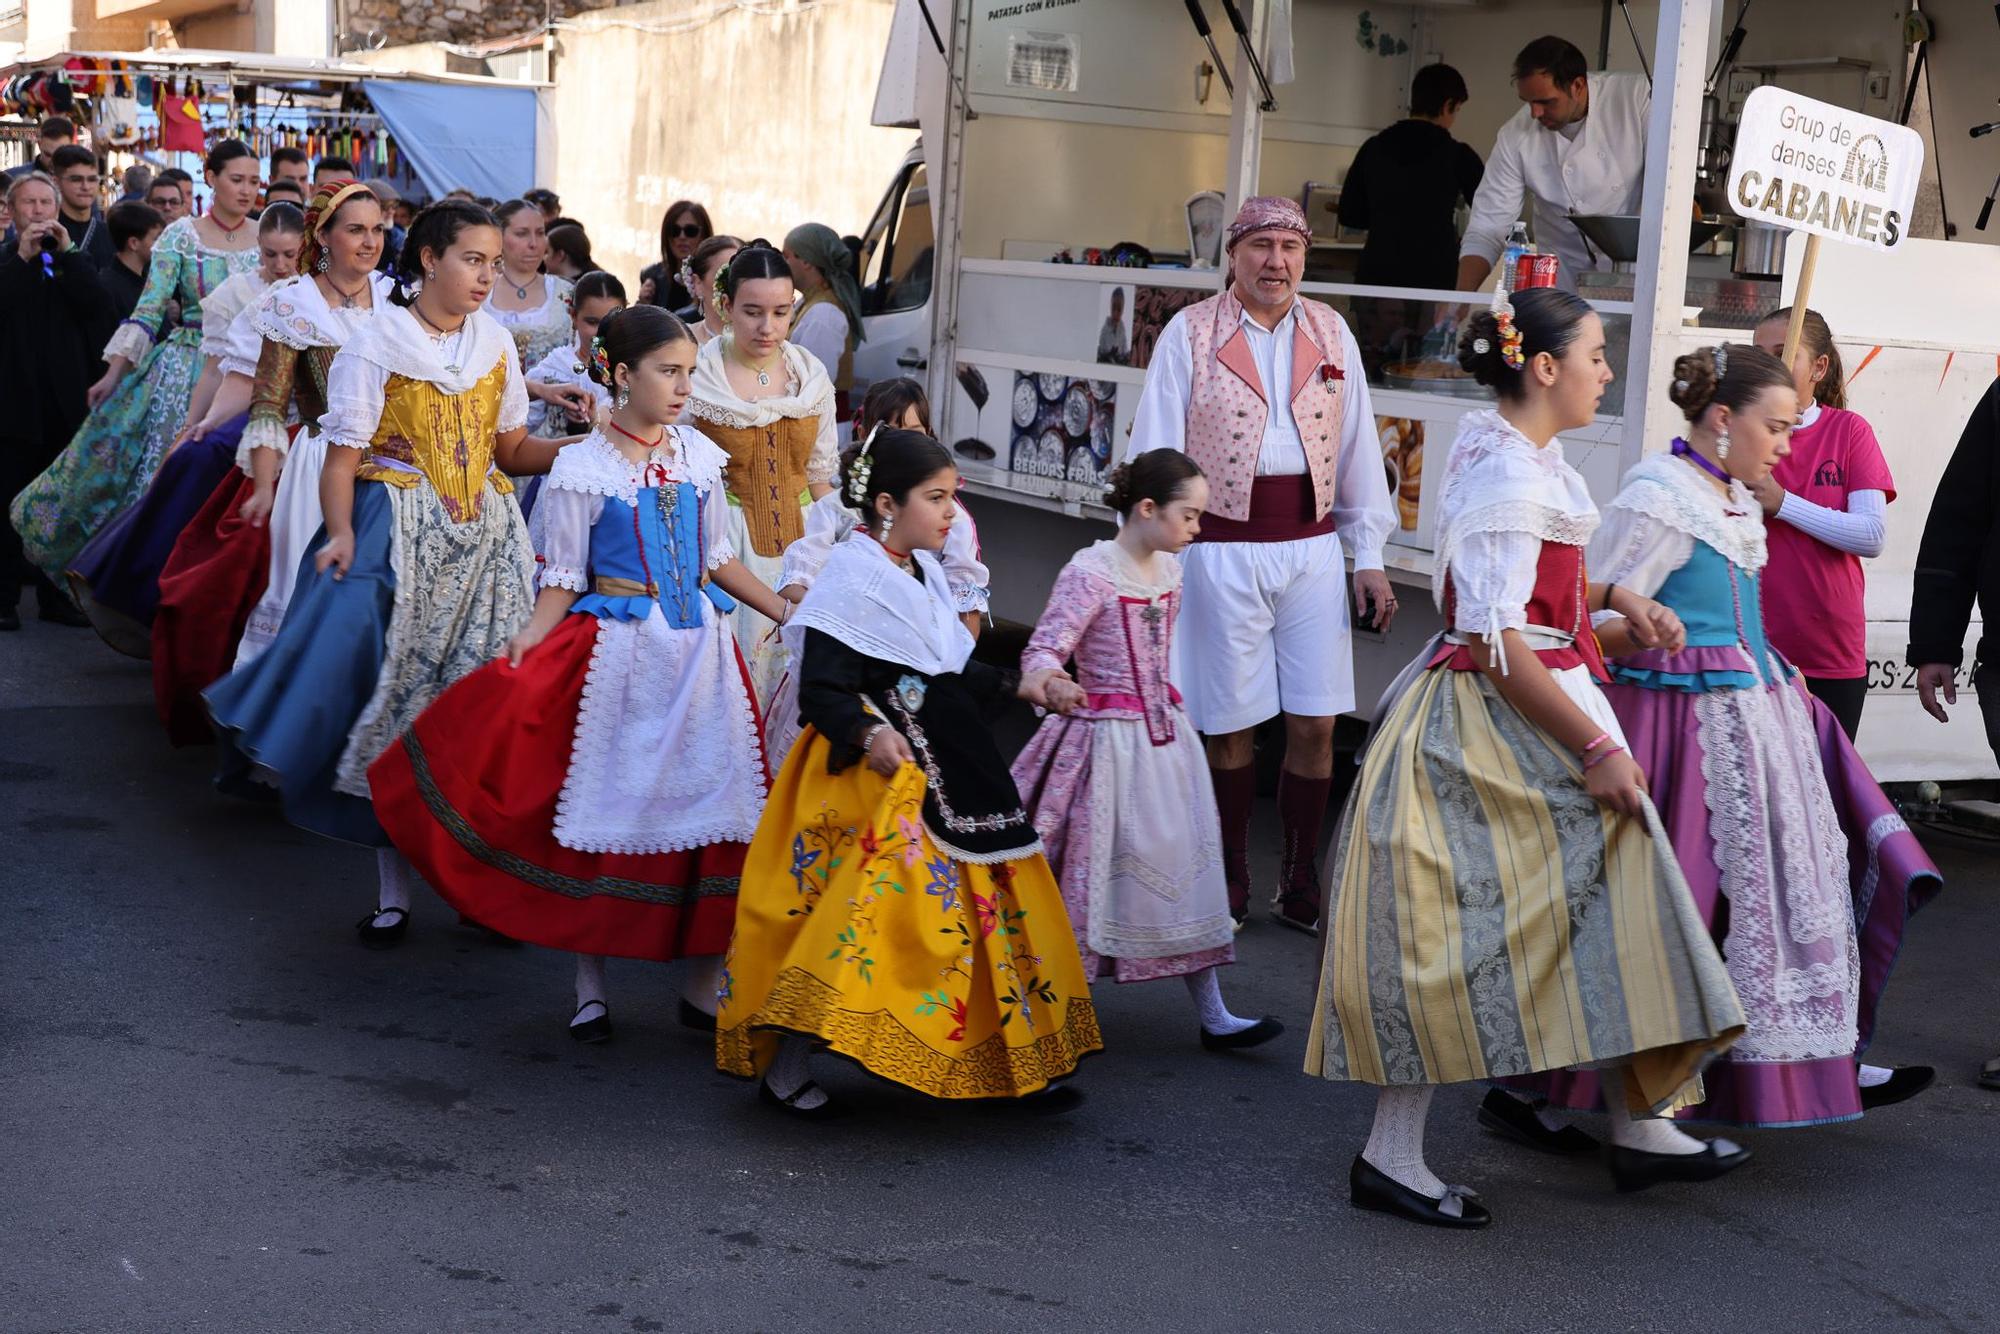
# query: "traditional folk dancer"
{"type": "Point", "coordinates": [566, 399]}
{"type": "Point", "coordinates": [1500, 908]}
{"type": "Point", "coordinates": [1263, 389]}
{"type": "Point", "coordinates": [425, 569]}
{"type": "Point", "coordinates": [596, 791]}
{"type": "Point", "coordinates": [224, 591]}
{"type": "Point", "coordinates": [896, 908]}
{"type": "Point", "coordinates": [141, 401]}
{"type": "Point", "coordinates": [770, 405]}
{"type": "Point", "coordinates": [1118, 790]}
{"type": "Point", "coordinates": [1805, 892]}
{"type": "Point", "coordinates": [897, 404]}
{"type": "Point", "coordinates": [532, 306]}
{"type": "Point", "coordinates": [698, 273]}
{"type": "Point", "coordinates": [116, 577]}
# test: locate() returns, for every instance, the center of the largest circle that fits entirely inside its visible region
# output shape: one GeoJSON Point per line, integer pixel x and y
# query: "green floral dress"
{"type": "Point", "coordinates": [119, 446]}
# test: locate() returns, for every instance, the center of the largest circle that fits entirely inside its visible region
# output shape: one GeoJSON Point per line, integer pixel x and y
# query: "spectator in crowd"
{"type": "Point", "coordinates": [291, 164]}
{"type": "Point", "coordinates": [172, 193]}
{"type": "Point", "coordinates": [1958, 566]}
{"type": "Point", "coordinates": [54, 321]}
{"type": "Point", "coordinates": [685, 226]}
{"type": "Point", "coordinates": [77, 179]}
{"type": "Point", "coordinates": [1405, 185]}
{"type": "Point", "coordinates": [55, 132]}
{"type": "Point", "coordinates": [138, 177]}
{"type": "Point", "coordinates": [285, 192]}
{"type": "Point", "coordinates": [332, 169]}
{"type": "Point", "coordinates": [547, 202]}
{"type": "Point", "coordinates": [397, 215]}
{"type": "Point", "coordinates": [569, 252]}
{"type": "Point", "coordinates": [133, 227]}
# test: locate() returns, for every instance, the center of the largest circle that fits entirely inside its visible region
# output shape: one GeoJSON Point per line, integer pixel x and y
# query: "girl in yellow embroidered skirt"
{"type": "Point", "coordinates": [896, 907]}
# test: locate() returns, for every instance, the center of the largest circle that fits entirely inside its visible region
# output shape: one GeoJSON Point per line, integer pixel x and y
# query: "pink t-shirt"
{"type": "Point", "coordinates": [1813, 607]}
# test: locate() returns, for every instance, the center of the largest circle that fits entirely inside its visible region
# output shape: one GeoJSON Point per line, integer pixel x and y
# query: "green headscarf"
{"type": "Point", "coordinates": [820, 246]}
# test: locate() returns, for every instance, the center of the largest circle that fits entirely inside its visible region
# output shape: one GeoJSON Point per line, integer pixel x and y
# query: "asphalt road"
{"type": "Point", "coordinates": [219, 1113]}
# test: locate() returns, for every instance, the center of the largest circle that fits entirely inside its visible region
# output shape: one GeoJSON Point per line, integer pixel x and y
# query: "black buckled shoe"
{"type": "Point", "coordinates": [591, 1031]}
{"type": "Point", "coordinates": [1510, 1118]}
{"type": "Point", "coordinates": [828, 1110]}
{"type": "Point", "coordinates": [1635, 1169]}
{"type": "Point", "coordinates": [1906, 1083]}
{"type": "Point", "coordinates": [693, 1016]}
{"type": "Point", "coordinates": [1256, 1035]}
{"type": "Point", "coordinates": [381, 936]}
{"type": "Point", "coordinates": [1368, 1187]}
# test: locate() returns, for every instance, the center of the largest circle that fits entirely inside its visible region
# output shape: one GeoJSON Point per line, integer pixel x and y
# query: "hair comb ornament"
{"type": "Point", "coordinates": [599, 357]}
{"type": "Point", "coordinates": [1721, 361]}
{"type": "Point", "coordinates": [857, 481]}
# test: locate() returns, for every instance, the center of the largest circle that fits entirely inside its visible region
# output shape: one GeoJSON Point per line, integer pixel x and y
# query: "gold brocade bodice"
{"type": "Point", "coordinates": [767, 477]}
{"type": "Point", "coordinates": [447, 439]}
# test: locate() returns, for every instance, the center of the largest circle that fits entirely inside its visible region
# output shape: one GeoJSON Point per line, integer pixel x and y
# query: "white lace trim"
{"type": "Point", "coordinates": [397, 343]}
{"type": "Point", "coordinates": [865, 601]}
{"type": "Point", "coordinates": [665, 756]}
{"type": "Point", "coordinates": [262, 433]}
{"type": "Point", "coordinates": [1666, 489]}
{"type": "Point", "coordinates": [131, 342]}
{"type": "Point", "coordinates": [594, 467]}
{"type": "Point", "coordinates": [1782, 862]}
{"type": "Point", "coordinates": [295, 313]}
{"type": "Point", "coordinates": [1533, 518]}
{"type": "Point", "coordinates": [565, 576]}
{"type": "Point", "coordinates": [713, 399]}
{"type": "Point", "coordinates": [1109, 561]}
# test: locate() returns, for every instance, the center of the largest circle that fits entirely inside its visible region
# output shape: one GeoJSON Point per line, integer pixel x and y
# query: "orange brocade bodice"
{"type": "Point", "coordinates": [446, 439]}
{"type": "Point", "coordinates": [766, 475]}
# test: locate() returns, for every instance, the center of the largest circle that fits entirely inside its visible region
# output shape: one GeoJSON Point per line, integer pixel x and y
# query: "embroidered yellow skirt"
{"type": "Point", "coordinates": [956, 980]}
{"type": "Point", "coordinates": [1490, 919]}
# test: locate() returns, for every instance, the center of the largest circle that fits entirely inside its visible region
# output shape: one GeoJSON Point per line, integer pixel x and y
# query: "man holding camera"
{"type": "Point", "coordinates": [54, 320]}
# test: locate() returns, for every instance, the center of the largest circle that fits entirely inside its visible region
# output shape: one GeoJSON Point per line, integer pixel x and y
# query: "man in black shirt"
{"type": "Point", "coordinates": [1404, 186]}
{"type": "Point", "coordinates": [133, 228]}
{"type": "Point", "coordinates": [77, 178]}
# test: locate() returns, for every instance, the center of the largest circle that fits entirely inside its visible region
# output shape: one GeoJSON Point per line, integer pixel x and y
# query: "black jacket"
{"type": "Point", "coordinates": [1402, 189]}
{"type": "Point", "coordinates": [1959, 560]}
{"type": "Point", "coordinates": [52, 333]}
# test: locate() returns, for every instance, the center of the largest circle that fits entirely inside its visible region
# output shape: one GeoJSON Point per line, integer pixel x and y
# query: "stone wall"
{"type": "Point", "coordinates": [403, 22]}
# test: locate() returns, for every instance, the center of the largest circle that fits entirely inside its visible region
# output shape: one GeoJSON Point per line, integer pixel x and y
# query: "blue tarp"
{"type": "Point", "coordinates": [460, 136]}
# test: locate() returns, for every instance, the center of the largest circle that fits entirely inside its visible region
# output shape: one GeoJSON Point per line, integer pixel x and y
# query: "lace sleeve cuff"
{"type": "Point", "coordinates": [969, 597]}
{"type": "Point", "coordinates": [565, 576]}
{"type": "Point", "coordinates": [720, 552]}
{"type": "Point", "coordinates": [132, 341]}
{"type": "Point", "coordinates": [1488, 624]}
{"type": "Point", "coordinates": [262, 434]}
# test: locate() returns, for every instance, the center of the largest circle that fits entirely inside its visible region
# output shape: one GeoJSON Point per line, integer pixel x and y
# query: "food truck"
{"type": "Point", "coordinates": [1077, 158]}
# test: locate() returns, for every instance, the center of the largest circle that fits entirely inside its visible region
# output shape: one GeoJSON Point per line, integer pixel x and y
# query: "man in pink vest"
{"type": "Point", "coordinates": [1264, 389]}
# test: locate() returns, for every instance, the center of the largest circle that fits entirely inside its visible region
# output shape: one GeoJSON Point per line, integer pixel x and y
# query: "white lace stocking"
{"type": "Point", "coordinates": [1396, 1143]}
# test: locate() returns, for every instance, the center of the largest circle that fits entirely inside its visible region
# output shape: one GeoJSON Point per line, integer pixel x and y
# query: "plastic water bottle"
{"type": "Point", "coordinates": [1510, 257]}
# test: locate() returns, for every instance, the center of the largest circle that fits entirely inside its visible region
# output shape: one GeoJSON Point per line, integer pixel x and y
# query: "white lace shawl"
{"type": "Point", "coordinates": [296, 313]}
{"type": "Point", "coordinates": [1109, 561]}
{"type": "Point", "coordinates": [592, 469]}
{"type": "Point", "coordinates": [811, 396]}
{"type": "Point", "coordinates": [1676, 494]}
{"type": "Point", "coordinates": [1503, 497]}
{"type": "Point", "coordinates": [395, 343]}
{"type": "Point", "coordinates": [224, 310]}
{"type": "Point", "coordinates": [829, 520]}
{"type": "Point", "coordinates": [869, 603]}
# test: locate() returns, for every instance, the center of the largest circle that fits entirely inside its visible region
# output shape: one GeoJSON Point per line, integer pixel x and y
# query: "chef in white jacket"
{"type": "Point", "coordinates": [1577, 146]}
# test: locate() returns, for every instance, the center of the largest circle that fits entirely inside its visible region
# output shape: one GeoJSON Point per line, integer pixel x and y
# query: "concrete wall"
{"type": "Point", "coordinates": [764, 119]}
{"type": "Point", "coordinates": [402, 22]}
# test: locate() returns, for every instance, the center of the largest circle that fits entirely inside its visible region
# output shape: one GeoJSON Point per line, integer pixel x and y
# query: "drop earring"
{"type": "Point", "coordinates": [888, 522]}
{"type": "Point", "coordinates": [1722, 444]}
{"type": "Point", "coordinates": [324, 264]}
{"type": "Point", "coordinates": [624, 396]}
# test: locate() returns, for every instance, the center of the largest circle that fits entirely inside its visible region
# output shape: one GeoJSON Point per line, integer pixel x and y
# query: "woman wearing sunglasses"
{"type": "Point", "coordinates": [685, 226]}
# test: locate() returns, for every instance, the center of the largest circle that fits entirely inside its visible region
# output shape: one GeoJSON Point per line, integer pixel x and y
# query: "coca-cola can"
{"type": "Point", "coordinates": [1535, 271]}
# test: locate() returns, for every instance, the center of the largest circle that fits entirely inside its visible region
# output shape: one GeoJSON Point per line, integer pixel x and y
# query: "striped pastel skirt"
{"type": "Point", "coordinates": [1490, 919]}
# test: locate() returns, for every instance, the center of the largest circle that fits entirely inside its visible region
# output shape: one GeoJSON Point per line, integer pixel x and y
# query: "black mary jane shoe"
{"type": "Point", "coordinates": [1299, 911]}
{"type": "Point", "coordinates": [829, 1110]}
{"type": "Point", "coordinates": [1368, 1187]}
{"type": "Point", "coordinates": [1510, 1118]}
{"type": "Point", "coordinates": [591, 1031]}
{"type": "Point", "coordinates": [381, 936]}
{"type": "Point", "coordinates": [1256, 1035]}
{"type": "Point", "coordinates": [693, 1016]}
{"type": "Point", "coordinates": [1906, 1083]}
{"type": "Point", "coordinates": [1635, 1169]}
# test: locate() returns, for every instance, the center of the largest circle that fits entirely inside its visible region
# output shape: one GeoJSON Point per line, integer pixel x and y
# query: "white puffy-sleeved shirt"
{"type": "Point", "coordinates": [592, 469]}
{"type": "Point", "coordinates": [395, 343]}
{"type": "Point", "coordinates": [1601, 170]}
{"type": "Point", "coordinates": [1503, 498]}
{"type": "Point", "coordinates": [561, 367]}
{"type": "Point", "coordinates": [223, 315]}
{"type": "Point", "coordinates": [1362, 512]}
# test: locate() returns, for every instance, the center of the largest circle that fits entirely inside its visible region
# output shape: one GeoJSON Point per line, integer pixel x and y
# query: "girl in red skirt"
{"type": "Point", "coordinates": [594, 790]}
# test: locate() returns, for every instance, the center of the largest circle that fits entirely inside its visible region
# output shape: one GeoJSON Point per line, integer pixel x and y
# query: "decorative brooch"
{"type": "Point", "coordinates": [910, 691]}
